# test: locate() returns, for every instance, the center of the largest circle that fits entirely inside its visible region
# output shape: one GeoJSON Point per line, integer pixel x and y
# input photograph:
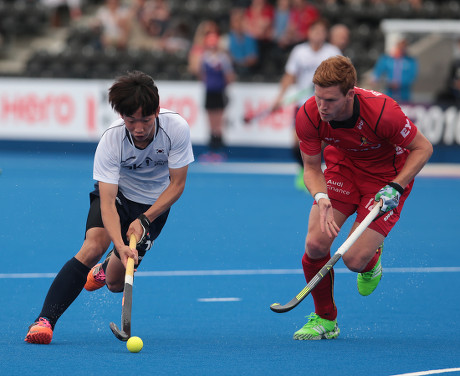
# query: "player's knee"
{"type": "Point", "coordinates": [115, 286]}
{"type": "Point", "coordinates": [354, 262]}
{"type": "Point", "coordinates": [91, 252]}
{"type": "Point", "coordinates": [315, 248]}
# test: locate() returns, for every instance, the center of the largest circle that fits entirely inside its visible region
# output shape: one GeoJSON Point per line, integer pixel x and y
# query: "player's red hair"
{"type": "Point", "coordinates": [336, 70]}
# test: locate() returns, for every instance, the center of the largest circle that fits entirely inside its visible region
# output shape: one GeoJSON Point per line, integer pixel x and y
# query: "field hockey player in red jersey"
{"type": "Point", "coordinates": [373, 153]}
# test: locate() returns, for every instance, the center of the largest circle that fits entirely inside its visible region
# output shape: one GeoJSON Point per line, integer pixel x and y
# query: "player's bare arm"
{"type": "Point", "coordinates": [316, 184]}
{"type": "Point", "coordinates": [108, 193]}
{"type": "Point", "coordinates": [420, 152]}
{"type": "Point", "coordinates": [286, 81]}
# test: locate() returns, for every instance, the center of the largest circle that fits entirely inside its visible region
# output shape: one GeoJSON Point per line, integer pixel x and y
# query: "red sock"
{"type": "Point", "coordinates": [373, 261]}
{"type": "Point", "coordinates": [323, 293]}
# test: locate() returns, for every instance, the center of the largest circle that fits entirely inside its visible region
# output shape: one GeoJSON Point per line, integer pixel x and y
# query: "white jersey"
{"type": "Point", "coordinates": [143, 174]}
{"type": "Point", "coordinates": [302, 64]}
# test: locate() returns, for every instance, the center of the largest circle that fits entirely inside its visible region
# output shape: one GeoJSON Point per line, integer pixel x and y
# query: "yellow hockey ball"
{"type": "Point", "coordinates": [134, 344]}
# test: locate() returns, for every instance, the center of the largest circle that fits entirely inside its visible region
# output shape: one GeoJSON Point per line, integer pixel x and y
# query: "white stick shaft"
{"type": "Point", "coordinates": [360, 229]}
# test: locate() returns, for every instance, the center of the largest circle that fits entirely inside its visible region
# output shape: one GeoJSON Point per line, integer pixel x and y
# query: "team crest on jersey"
{"type": "Point", "coordinates": [366, 145]}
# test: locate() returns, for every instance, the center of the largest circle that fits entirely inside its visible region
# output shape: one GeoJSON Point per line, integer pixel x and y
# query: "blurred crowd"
{"type": "Point", "coordinates": [222, 41]}
{"type": "Point", "coordinates": [256, 35]}
{"type": "Point", "coordinates": [255, 30]}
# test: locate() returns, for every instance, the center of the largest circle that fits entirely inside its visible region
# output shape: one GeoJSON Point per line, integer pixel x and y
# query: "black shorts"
{"type": "Point", "coordinates": [215, 100]}
{"type": "Point", "coordinates": [128, 211]}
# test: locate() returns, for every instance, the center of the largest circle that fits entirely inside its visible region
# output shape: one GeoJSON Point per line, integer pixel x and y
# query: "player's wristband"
{"type": "Point", "coordinates": [321, 195]}
{"type": "Point", "coordinates": [397, 187]}
{"type": "Point", "coordinates": [145, 223]}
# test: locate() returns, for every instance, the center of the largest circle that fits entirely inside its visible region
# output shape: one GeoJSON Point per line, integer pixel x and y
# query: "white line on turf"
{"type": "Point", "coordinates": [218, 300]}
{"type": "Point", "coordinates": [237, 272]}
{"type": "Point", "coordinates": [432, 372]}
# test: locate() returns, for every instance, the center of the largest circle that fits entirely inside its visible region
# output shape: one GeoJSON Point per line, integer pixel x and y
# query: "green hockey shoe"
{"type": "Point", "coordinates": [318, 328]}
{"type": "Point", "coordinates": [299, 182]}
{"type": "Point", "coordinates": [368, 281]}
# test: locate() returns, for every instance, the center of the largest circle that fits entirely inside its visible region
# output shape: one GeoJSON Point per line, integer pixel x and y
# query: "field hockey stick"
{"type": "Point", "coordinates": [259, 115]}
{"type": "Point", "coordinates": [127, 302]}
{"type": "Point", "coordinates": [268, 111]}
{"type": "Point", "coordinates": [276, 307]}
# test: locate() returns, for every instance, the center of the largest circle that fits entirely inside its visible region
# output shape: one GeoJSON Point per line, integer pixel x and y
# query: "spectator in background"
{"type": "Point", "coordinates": [153, 16]}
{"type": "Point", "coordinates": [416, 4]}
{"type": "Point", "coordinates": [339, 36]}
{"type": "Point", "coordinates": [242, 47]}
{"type": "Point", "coordinates": [396, 72]}
{"type": "Point", "coordinates": [303, 15]}
{"type": "Point", "coordinates": [114, 22]}
{"type": "Point", "coordinates": [197, 49]}
{"type": "Point", "coordinates": [451, 93]}
{"type": "Point", "coordinates": [2, 42]}
{"type": "Point", "coordinates": [216, 73]}
{"type": "Point", "coordinates": [300, 67]}
{"type": "Point", "coordinates": [73, 7]}
{"type": "Point", "coordinates": [281, 31]}
{"type": "Point", "coordinates": [258, 21]}
{"type": "Point", "coordinates": [175, 39]}
{"type": "Point", "coordinates": [454, 84]}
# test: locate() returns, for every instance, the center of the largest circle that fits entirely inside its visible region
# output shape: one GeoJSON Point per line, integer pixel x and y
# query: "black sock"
{"type": "Point", "coordinates": [64, 290]}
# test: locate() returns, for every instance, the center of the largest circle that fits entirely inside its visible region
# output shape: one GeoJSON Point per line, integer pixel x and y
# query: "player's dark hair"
{"type": "Point", "coordinates": [133, 90]}
{"type": "Point", "coordinates": [337, 70]}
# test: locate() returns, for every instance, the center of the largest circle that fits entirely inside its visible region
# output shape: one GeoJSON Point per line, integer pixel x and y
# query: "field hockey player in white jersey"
{"type": "Point", "coordinates": [140, 168]}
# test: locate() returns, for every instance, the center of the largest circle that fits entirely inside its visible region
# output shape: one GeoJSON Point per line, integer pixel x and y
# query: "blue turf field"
{"type": "Point", "coordinates": [236, 236]}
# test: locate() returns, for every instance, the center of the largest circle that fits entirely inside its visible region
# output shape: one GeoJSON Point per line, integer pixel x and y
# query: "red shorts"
{"type": "Point", "coordinates": [353, 190]}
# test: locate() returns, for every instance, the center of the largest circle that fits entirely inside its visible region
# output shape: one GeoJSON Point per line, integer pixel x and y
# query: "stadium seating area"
{"type": "Point", "coordinates": [79, 59]}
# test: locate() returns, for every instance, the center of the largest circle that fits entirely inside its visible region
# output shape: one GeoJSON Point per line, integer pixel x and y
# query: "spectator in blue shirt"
{"type": "Point", "coordinates": [242, 47]}
{"type": "Point", "coordinates": [397, 72]}
{"type": "Point", "coordinates": [282, 34]}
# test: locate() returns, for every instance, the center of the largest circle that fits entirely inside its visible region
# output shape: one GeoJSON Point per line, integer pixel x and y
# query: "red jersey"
{"type": "Point", "coordinates": [374, 143]}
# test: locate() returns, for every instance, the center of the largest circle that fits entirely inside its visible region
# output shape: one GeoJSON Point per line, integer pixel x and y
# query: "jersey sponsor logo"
{"type": "Point", "coordinates": [336, 183]}
{"type": "Point", "coordinates": [406, 130]}
{"type": "Point", "coordinates": [337, 186]}
{"type": "Point", "coordinates": [388, 216]}
{"type": "Point", "coordinates": [146, 163]}
{"type": "Point", "coordinates": [399, 150]}
{"type": "Point", "coordinates": [331, 140]}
